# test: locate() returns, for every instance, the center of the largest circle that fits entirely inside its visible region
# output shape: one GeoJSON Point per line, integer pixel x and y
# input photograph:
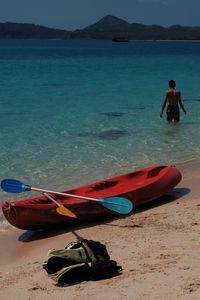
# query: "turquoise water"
{"type": "Point", "coordinates": [74, 112]}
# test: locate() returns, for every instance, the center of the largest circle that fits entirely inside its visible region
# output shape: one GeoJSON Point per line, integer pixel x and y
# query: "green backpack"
{"type": "Point", "coordinates": [79, 261]}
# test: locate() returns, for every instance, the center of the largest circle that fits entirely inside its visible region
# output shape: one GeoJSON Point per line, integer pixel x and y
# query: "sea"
{"type": "Point", "coordinates": [73, 112]}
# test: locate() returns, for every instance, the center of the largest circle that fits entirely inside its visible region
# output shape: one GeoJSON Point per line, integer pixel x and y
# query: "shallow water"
{"type": "Point", "coordinates": [74, 112]}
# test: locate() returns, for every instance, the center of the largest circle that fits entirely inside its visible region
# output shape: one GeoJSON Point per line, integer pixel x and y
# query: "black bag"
{"type": "Point", "coordinates": [79, 261]}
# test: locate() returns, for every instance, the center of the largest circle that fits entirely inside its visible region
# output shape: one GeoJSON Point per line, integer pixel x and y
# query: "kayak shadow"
{"type": "Point", "coordinates": [173, 195]}
{"type": "Point", "coordinates": [33, 235]}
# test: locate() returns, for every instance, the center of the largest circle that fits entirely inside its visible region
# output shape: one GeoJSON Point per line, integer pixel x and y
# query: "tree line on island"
{"type": "Point", "coordinates": [109, 28]}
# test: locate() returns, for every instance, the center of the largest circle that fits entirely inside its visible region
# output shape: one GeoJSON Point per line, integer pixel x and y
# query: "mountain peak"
{"type": "Point", "coordinates": [108, 22]}
{"type": "Point", "coordinates": [110, 18]}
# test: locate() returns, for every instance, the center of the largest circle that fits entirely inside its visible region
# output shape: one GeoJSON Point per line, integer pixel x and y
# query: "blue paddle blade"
{"type": "Point", "coordinates": [118, 204]}
{"type": "Point", "coordinates": [14, 186]}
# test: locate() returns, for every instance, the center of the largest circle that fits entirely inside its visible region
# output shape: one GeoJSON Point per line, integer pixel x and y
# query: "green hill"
{"type": "Point", "coordinates": [109, 27]}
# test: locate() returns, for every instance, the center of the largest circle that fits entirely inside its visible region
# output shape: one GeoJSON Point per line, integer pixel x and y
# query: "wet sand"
{"type": "Point", "coordinates": [158, 248]}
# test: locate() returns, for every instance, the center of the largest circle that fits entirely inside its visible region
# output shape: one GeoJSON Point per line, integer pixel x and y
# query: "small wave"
{"type": "Point", "coordinates": [4, 225]}
{"type": "Point", "coordinates": [192, 100]}
{"type": "Point", "coordinates": [112, 134]}
{"type": "Point", "coordinates": [60, 84]}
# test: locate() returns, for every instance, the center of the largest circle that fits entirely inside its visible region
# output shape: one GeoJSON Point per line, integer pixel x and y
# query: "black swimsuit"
{"type": "Point", "coordinates": [173, 113]}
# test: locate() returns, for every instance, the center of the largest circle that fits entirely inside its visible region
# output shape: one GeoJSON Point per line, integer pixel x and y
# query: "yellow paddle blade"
{"type": "Point", "coordinates": [65, 211]}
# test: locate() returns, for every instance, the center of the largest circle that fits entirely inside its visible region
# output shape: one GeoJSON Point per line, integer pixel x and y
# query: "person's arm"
{"type": "Point", "coordinates": [181, 105]}
{"type": "Point", "coordinates": [163, 106]}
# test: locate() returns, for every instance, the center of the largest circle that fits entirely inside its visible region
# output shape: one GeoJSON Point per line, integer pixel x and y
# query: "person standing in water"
{"type": "Point", "coordinates": [173, 97]}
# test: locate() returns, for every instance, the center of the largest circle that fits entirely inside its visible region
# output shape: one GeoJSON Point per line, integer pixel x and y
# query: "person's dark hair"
{"type": "Point", "coordinates": [172, 84]}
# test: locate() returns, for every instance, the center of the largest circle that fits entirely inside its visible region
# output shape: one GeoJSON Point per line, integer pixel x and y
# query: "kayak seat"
{"type": "Point", "coordinates": [104, 185]}
{"type": "Point", "coordinates": [40, 201]}
{"type": "Point", "coordinates": [155, 172]}
{"type": "Point", "coordinates": [135, 174]}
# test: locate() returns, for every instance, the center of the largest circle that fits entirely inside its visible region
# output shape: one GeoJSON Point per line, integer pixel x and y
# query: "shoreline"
{"type": "Point", "coordinates": [157, 247]}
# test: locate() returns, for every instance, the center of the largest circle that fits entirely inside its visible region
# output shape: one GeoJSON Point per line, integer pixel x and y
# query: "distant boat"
{"type": "Point", "coordinates": [120, 40]}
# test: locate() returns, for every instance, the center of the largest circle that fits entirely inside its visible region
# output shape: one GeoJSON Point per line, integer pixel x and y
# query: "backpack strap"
{"type": "Point", "coordinates": [96, 251]}
{"type": "Point", "coordinates": [88, 251]}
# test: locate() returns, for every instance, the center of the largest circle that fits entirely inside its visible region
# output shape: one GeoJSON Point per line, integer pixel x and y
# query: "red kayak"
{"type": "Point", "coordinates": [141, 186]}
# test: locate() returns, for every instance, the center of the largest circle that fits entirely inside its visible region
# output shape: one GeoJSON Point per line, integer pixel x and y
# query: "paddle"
{"type": "Point", "coordinates": [117, 204]}
{"type": "Point", "coordinates": [61, 209]}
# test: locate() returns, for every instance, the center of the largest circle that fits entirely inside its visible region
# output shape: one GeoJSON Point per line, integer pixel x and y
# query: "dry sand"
{"type": "Point", "coordinates": [157, 246]}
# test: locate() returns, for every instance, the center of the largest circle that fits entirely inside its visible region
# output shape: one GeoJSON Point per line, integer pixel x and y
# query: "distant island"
{"type": "Point", "coordinates": [108, 28]}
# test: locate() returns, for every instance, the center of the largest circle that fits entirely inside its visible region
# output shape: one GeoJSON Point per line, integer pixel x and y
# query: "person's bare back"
{"type": "Point", "coordinates": [173, 97]}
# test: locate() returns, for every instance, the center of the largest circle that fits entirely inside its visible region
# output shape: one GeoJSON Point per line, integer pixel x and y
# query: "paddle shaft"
{"type": "Point", "coordinates": [72, 195]}
{"type": "Point", "coordinates": [63, 194]}
{"type": "Point", "coordinates": [50, 198]}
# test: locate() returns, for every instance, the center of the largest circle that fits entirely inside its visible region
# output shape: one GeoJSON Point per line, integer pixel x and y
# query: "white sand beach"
{"type": "Point", "coordinates": [157, 246]}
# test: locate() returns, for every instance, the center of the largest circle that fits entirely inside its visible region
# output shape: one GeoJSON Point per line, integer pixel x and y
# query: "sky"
{"type": "Point", "coordinates": [77, 14]}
